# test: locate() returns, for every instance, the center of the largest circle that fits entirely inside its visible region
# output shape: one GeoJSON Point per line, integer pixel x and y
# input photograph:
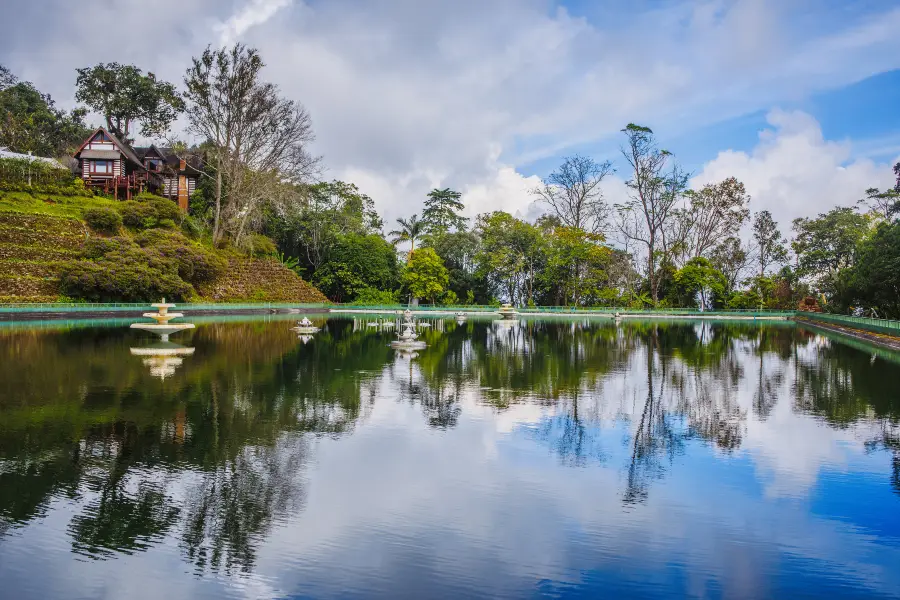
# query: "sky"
{"type": "Point", "coordinates": [796, 98]}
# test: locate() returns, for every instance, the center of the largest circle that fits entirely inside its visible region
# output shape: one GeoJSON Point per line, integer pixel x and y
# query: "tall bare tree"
{"type": "Point", "coordinates": [656, 186]}
{"type": "Point", "coordinates": [574, 194]}
{"type": "Point", "coordinates": [259, 140]}
{"type": "Point", "coordinates": [768, 244]}
{"type": "Point", "coordinates": [714, 213]}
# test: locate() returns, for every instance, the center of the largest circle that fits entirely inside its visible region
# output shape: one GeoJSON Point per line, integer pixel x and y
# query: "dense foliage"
{"type": "Point", "coordinates": [103, 219]}
{"type": "Point", "coordinates": [155, 264]}
{"type": "Point", "coordinates": [30, 121]}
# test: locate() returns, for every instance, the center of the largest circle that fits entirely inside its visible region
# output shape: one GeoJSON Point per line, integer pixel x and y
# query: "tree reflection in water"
{"type": "Point", "coordinates": [214, 456]}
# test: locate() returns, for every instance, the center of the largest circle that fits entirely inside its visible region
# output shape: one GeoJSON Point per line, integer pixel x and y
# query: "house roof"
{"type": "Point", "coordinates": [104, 154]}
{"type": "Point", "coordinates": [193, 162]}
{"type": "Point", "coordinates": [125, 149]}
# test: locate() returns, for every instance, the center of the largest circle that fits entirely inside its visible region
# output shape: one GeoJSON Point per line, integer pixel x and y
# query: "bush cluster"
{"type": "Point", "coordinates": [158, 263]}
{"type": "Point", "coordinates": [148, 211]}
{"type": "Point", "coordinates": [196, 264]}
{"type": "Point", "coordinates": [103, 219]}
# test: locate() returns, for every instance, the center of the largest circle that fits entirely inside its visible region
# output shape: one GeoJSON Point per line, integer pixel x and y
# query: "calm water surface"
{"type": "Point", "coordinates": [540, 458]}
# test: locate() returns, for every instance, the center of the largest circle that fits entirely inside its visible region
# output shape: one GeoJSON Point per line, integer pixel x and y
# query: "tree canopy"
{"type": "Point", "coordinates": [125, 95]}
{"type": "Point", "coordinates": [30, 121]}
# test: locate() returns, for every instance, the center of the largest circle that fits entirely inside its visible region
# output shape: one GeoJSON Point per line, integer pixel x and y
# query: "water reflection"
{"type": "Point", "coordinates": [162, 358]}
{"type": "Point", "coordinates": [217, 454]}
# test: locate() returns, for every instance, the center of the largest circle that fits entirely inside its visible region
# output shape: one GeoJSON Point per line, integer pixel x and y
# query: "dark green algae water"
{"type": "Point", "coordinates": [557, 458]}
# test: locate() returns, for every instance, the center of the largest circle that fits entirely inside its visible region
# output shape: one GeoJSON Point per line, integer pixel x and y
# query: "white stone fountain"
{"type": "Point", "coordinates": [162, 358]}
{"type": "Point", "coordinates": [162, 316]}
{"type": "Point", "coordinates": [305, 326]}
{"type": "Point", "coordinates": [508, 312]}
{"type": "Point", "coordinates": [407, 339]}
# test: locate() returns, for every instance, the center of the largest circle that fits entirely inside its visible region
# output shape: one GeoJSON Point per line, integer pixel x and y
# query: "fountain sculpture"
{"type": "Point", "coordinates": [305, 326]}
{"type": "Point", "coordinates": [408, 340]}
{"type": "Point", "coordinates": [162, 327]}
{"type": "Point", "coordinates": [508, 312]}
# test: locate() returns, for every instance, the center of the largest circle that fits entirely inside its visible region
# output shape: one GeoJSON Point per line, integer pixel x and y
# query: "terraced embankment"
{"type": "Point", "coordinates": [33, 249]}
{"type": "Point", "coordinates": [39, 235]}
{"type": "Point", "coordinates": [259, 280]}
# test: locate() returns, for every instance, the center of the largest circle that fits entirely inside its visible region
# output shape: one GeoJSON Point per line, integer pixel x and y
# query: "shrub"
{"type": "Point", "coordinates": [150, 211]}
{"type": "Point", "coordinates": [165, 209]}
{"type": "Point", "coordinates": [372, 297]}
{"type": "Point", "coordinates": [122, 271]}
{"type": "Point", "coordinates": [137, 215]}
{"type": "Point", "coordinates": [194, 263]}
{"type": "Point", "coordinates": [104, 281]}
{"type": "Point", "coordinates": [99, 247]}
{"type": "Point", "coordinates": [191, 227]}
{"type": "Point", "coordinates": [103, 219]}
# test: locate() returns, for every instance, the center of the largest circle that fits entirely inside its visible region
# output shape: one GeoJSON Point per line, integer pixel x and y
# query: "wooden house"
{"type": "Point", "coordinates": [107, 163]}
{"type": "Point", "coordinates": [177, 175]}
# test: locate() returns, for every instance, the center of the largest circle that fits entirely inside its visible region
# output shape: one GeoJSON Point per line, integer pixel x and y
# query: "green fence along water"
{"type": "Point", "coordinates": [884, 326]}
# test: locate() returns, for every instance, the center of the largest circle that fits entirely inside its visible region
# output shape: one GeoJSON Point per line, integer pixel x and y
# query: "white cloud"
{"type": "Point", "coordinates": [794, 171]}
{"type": "Point", "coordinates": [256, 12]}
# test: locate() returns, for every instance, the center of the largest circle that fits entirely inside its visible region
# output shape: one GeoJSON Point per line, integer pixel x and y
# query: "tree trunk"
{"type": "Point", "coordinates": [218, 203]}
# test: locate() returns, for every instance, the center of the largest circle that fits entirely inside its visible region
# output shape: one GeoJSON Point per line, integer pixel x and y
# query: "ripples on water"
{"type": "Point", "coordinates": [558, 458]}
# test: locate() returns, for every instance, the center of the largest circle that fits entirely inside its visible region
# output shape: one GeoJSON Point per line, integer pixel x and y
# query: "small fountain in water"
{"type": "Point", "coordinates": [162, 327]}
{"type": "Point", "coordinates": [305, 326]}
{"type": "Point", "coordinates": [508, 312]}
{"type": "Point", "coordinates": [407, 339]}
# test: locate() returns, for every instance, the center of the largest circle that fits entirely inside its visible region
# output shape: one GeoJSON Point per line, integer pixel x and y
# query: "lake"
{"type": "Point", "coordinates": [558, 458]}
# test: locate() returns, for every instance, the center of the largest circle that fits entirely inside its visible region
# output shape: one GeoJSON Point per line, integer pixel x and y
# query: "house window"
{"type": "Point", "coordinates": [153, 164]}
{"type": "Point", "coordinates": [101, 167]}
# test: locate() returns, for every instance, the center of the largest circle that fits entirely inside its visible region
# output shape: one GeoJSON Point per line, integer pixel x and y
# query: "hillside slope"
{"type": "Point", "coordinates": [40, 234]}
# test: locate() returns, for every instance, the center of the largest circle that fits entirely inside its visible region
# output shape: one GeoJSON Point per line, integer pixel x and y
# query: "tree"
{"type": "Point", "coordinates": [425, 275]}
{"type": "Point", "coordinates": [442, 210]}
{"type": "Point", "coordinates": [258, 141]}
{"type": "Point", "coordinates": [698, 281]}
{"type": "Point", "coordinates": [7, 79]}
{"type": "Point", "coordinates": [30, 121]}
{"type": "Point", "coordinates": [328, 211]}
{"type": "Point", "coordinates": [574, 194]}
{"type": "Point", "coordinates": [730, 258]}
{"type": "Point", "coordinates": [884, 205]}
{"type": "Point", "coordinates": [769, 245]}
{"type": "Point", "coordinates": [124, 95]}
{"type": "Point", "coordinates": [509, 256]}
{"type": "Point", "coordinates": [654, 194]}
{"type": "Point", "coordinates": [576, 263]}
{"type": "Point", "coordinates": [827, 244]}
{"type": "Point", "coordinates": [874, 277]}
{"type": "Point", "coordinates": [459, 250]}
{"type": "Point", "coordinates": [355, 263]}
{"type": "Point", "coordinates": [410, 230]}
{"type": "Point", "coordinates": [714, 213]}
{"type": "Point", "coordinates": [769, 248]}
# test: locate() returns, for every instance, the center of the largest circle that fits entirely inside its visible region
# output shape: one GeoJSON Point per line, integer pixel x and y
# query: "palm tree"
{"type": "Point", "coordinates": [410, 230]}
